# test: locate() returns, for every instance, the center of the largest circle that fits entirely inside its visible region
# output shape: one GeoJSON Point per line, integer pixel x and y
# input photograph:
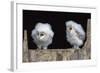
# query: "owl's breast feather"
{"type": "Point", "coordinates": [73, 39]}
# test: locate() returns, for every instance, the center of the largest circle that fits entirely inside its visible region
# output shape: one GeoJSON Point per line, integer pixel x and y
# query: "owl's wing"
{"type": "Point", "coordinates": [33, 34]}
{"type": "Point", "coordinates": [51, 33]}
{"type": "Point", "coordinates": [80, 32]}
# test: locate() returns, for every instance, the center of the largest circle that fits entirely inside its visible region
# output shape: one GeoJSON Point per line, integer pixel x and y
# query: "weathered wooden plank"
{"type": "Point", "coordinates": [25, 48]}
{"type": "Point", "coordinates": [87, 45]}
{"type": "Point", "coordinates": [50, 54]}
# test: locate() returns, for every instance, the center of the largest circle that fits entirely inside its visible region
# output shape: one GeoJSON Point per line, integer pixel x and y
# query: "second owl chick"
{"type": "Point", "coordinates": [75, 34]}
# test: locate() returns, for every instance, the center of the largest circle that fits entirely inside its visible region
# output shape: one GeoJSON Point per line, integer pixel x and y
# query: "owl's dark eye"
{"type": "Point", "coordinates": [70, 28]}
{"type": "Point", "coordinates": [41, 34]}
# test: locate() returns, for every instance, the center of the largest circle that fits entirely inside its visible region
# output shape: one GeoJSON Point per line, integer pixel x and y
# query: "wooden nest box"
{"type": "Point", "coordinates": [38, 55]}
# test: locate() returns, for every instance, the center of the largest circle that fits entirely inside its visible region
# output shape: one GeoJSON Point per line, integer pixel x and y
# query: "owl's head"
{"type": "Point", "coordinates": [42, 32]}
{"type": "Point", "coordinates": [75, 29]}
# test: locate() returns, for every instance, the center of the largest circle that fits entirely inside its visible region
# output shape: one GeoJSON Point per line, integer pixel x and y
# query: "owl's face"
{"type": "Point", "coordinates": [71, 30]}
{"type": "Point", "coordinates": [41, 35]}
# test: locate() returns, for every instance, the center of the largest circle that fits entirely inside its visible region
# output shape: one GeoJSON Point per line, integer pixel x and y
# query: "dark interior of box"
{"type": "Point", "coordinates": [57, 21]}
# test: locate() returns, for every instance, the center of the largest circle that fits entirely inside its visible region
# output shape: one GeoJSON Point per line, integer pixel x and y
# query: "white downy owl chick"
{"type": "Point", "coordinates": [75, 34]}
{"type": "Point", "coordinates": [42, 35]}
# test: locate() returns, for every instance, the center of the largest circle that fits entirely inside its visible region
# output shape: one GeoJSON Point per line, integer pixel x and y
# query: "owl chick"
{"type": "Point", "coordinates": [42, 35]}
{"type": "Point", "coordinates": [75, 34]}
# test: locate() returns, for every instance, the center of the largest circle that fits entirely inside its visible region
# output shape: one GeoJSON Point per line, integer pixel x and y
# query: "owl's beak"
{"type": "Point", "coordinates": [41, 37]}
